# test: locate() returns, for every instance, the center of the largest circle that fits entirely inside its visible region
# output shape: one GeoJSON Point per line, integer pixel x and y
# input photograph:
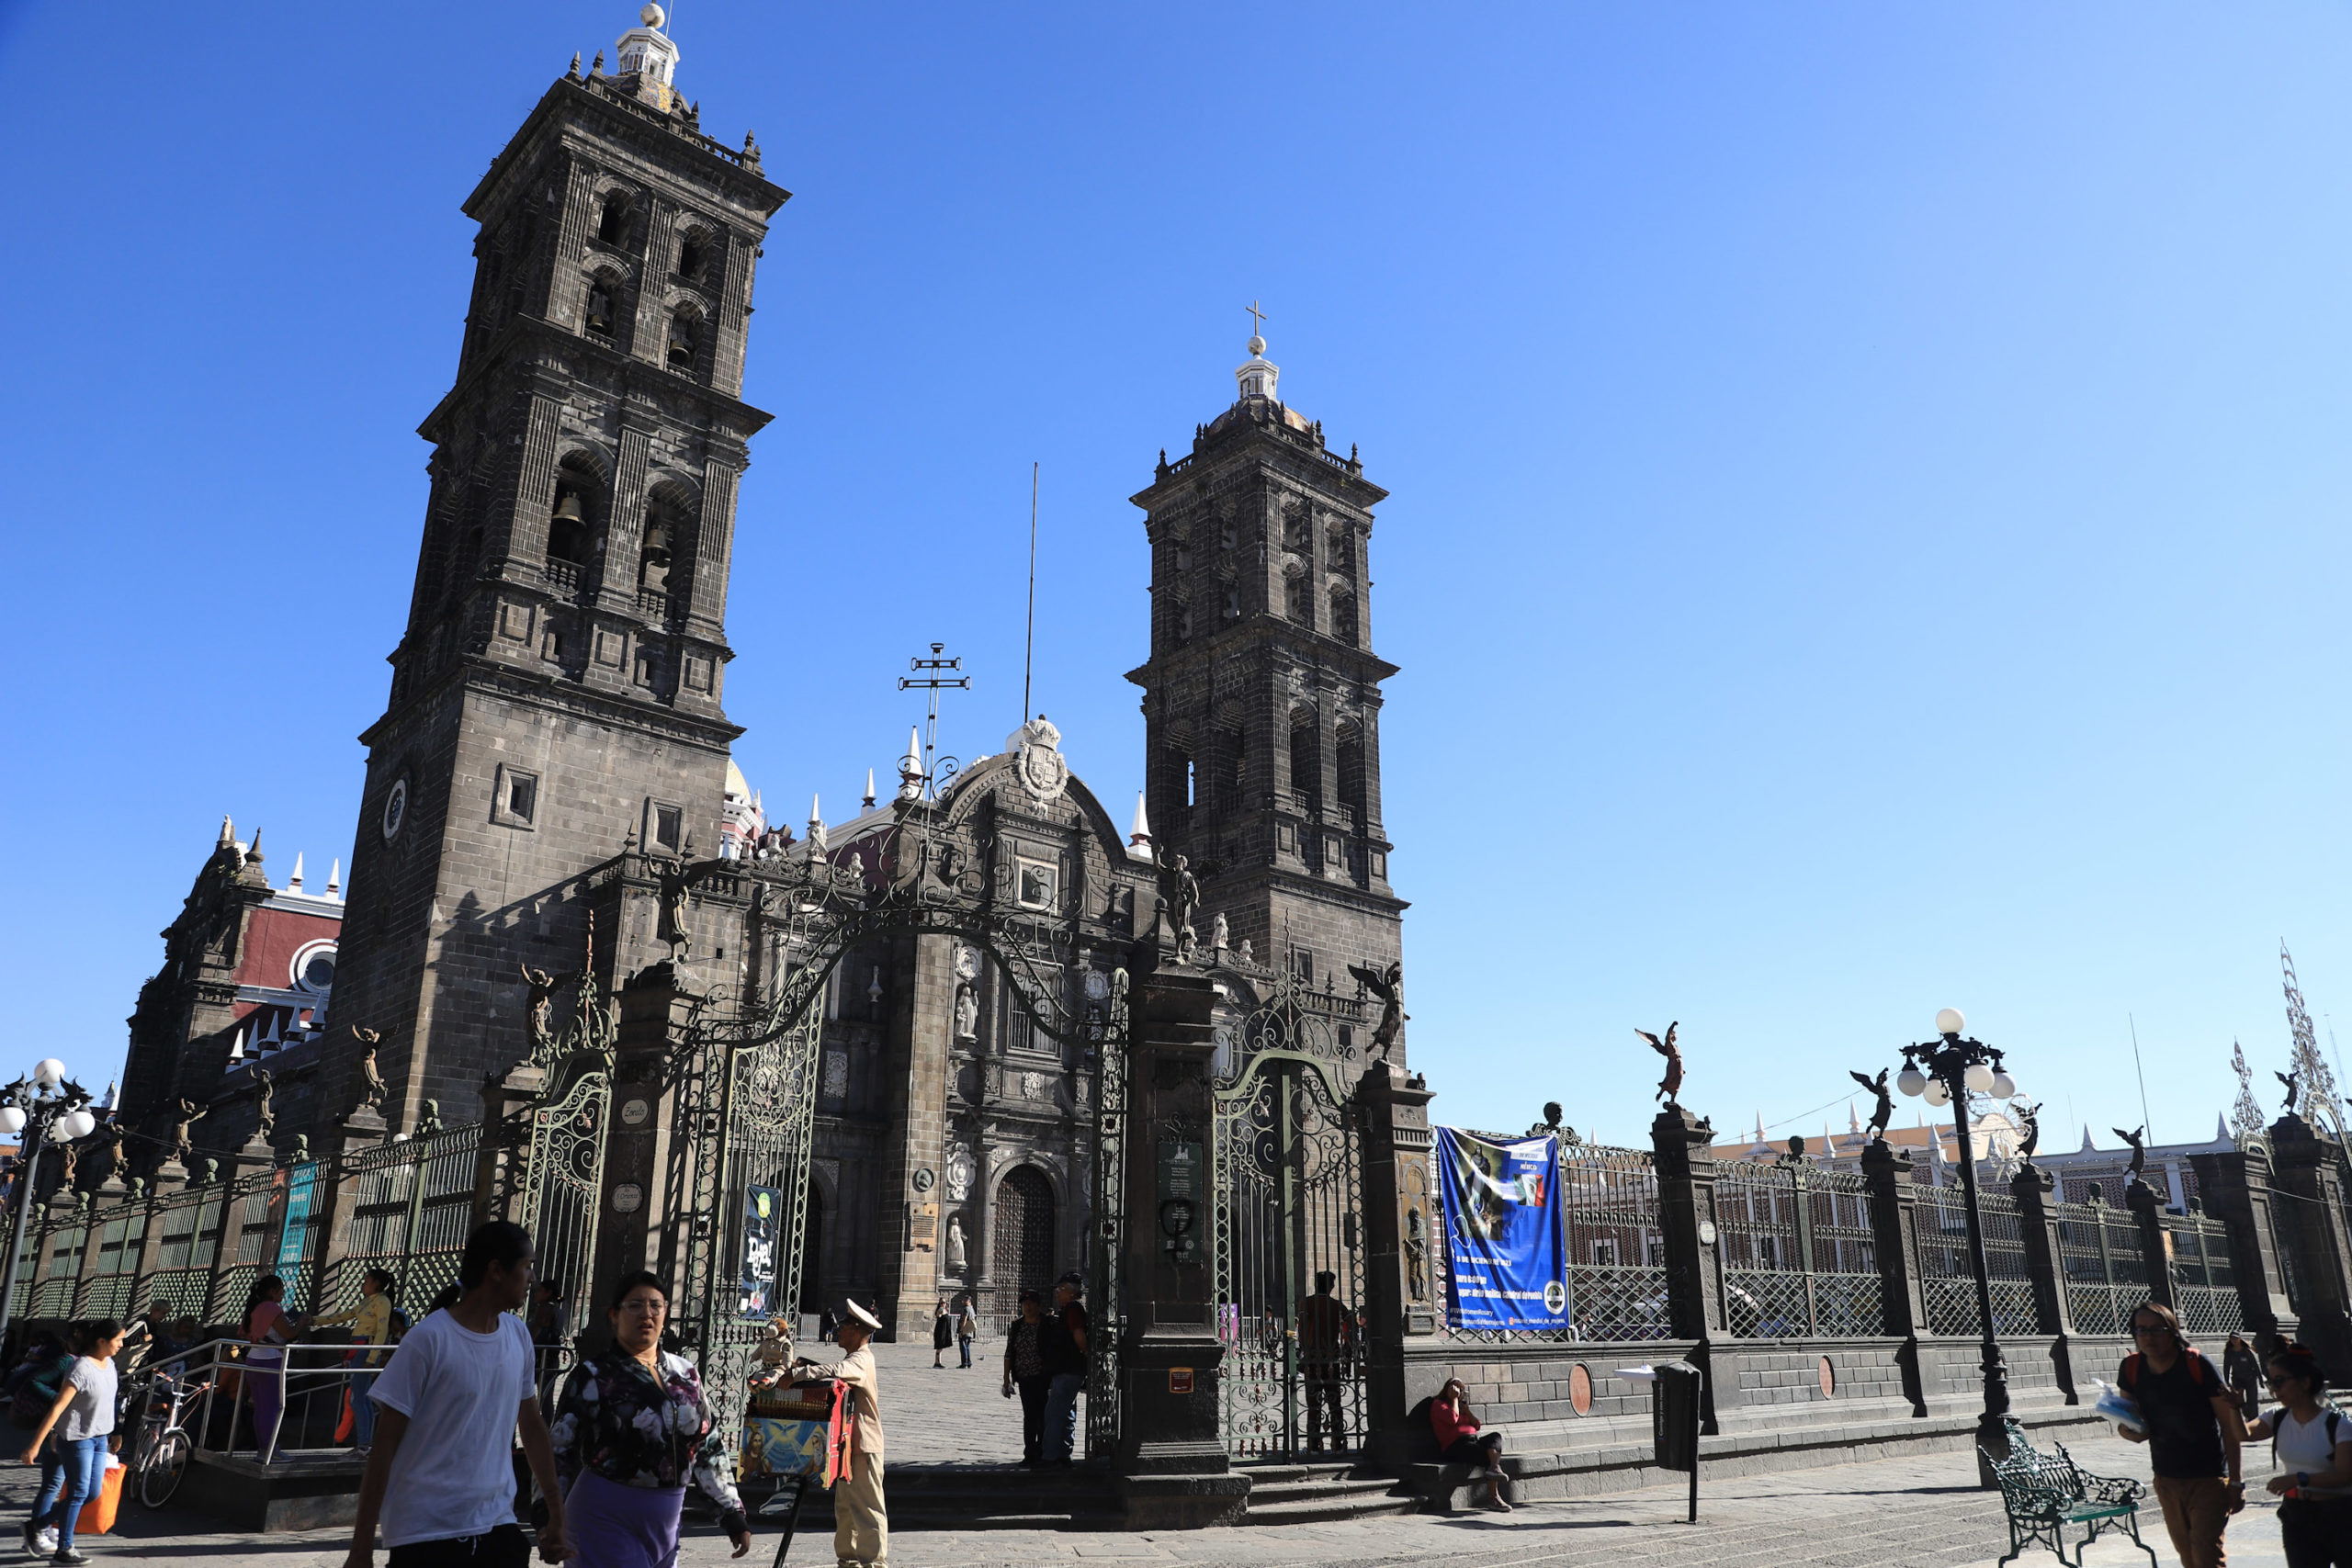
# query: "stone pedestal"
{"type": "Point", "coordinates": [1173, 1472]}
{"type": "Point", "coordinates": [499, 1163]}
{"type": "Point", "coordinates": [1894, 1209]}
{"type": "Point", "coordinates": [364, 1129]}
{"type": "Point", "coordinates": [1402, 1250]}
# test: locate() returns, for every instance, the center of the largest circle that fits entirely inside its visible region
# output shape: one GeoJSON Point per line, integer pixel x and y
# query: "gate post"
{"type": "Point", "coordinates": [1174, 1475]}
{"type": "Point", "coordinates": [505, 1148]}
{"type": "Point", "coordinates": [1686, 1214]}
{"type": "Point", "coordinates": [2148, 1210]}
{"type": "Point", "coordinates": [1894, 1228]}
{"type": "Point", "coordinates": [2052, 1312]}
{"type": "Point", "coordinates": [2236, 1190]}
{"type": "Point", "coordinates": [339, 1196]}
{"type": "Point", "coordinates": [654, 1009]}
{"type": "Point", "coordinates": [251, 1160]}
{"type": "Point", "coordinates": [2309, 1168]}
{"type": "Point", "coordinates": [1398, 1234]}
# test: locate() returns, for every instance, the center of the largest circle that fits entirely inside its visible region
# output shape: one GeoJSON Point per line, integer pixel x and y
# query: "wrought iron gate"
{"type": "Point", "coordinates": [563, 1179]}
{"type": "Point", "coordinates": [1289, 1206]}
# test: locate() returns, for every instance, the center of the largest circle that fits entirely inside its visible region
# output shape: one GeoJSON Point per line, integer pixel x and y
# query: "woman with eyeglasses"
{"type": "Point", "coordinates": [631, 1429]}
{"type": "Point", "coordinates": [2314, 1448]}
{"type": "Point", "coordinates": [2193, 1431]}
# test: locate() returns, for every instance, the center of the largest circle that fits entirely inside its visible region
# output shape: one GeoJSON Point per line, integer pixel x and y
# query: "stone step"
{"type": "Point", "coordinates": [1330, 1511]}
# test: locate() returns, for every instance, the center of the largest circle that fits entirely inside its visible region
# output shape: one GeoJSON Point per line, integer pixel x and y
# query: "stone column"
{"type": "Point", "coordinates": [1400, 1249]}
{"type": "Point", "coordinates": [256, 1158]}
{"type": "Point", "coordinates": [1172, 1462]}
{"type": "Point", "coordinates": [654, 1011]}
{"type": "Point", "coordinates": [2147, 1206]}
{"type": "Point", "coordinates": [2032, 1187]}
{"type": "Point", "coordinates": [2236, 1190]}
{"type": "Point", "coordinates": [1894, 1224]}
{"type": "Point", "coordinates": [501, 1160]}
{"type": "Point", "coordinates": [1686, 1207]}
{"type": "Point", "coordinates": [363, 1130]}
{"type": "Point", "coordinates": [2310, 1166]}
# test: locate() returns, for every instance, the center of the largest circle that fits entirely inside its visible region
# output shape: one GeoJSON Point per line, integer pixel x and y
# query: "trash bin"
{"type": "Point", "coordinates": [1674, 1421]}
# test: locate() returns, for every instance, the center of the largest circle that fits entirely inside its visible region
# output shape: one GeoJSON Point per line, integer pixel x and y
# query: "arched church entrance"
{"type": "Point", "coordinates": [1022, 1251]}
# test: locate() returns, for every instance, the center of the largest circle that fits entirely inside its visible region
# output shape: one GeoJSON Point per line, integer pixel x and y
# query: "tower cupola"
{"type": "Point", "coordinates": [647, 54]}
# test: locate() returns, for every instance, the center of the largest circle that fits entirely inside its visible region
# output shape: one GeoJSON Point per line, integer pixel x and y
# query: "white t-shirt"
{"type": "Point", "coordinates": [453, 1476]}
{"type": "Point", "coordinates": [92, 1412]}
{"type": "Point", "coordinates": [2303, 1444]}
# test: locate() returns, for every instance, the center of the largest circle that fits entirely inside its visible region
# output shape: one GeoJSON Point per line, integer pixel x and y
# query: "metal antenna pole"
{"type": "Point", "coordinates": [2145, 1120]}
{"type": "Point", "coordinates": [1029, 648]}
{"type": "Point", "coordinates": [930, 677]}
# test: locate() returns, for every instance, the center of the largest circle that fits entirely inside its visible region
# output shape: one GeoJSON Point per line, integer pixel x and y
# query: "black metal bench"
{"type": "Point", "coordinates": [2044, 1494]}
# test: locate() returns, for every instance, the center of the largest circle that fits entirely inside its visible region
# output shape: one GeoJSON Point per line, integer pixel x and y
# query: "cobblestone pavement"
{"type": "Point", "coordinates": [1924, 1512]}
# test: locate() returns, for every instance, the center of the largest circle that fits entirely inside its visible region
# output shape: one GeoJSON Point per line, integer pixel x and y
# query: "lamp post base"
{"type": "Point", "coordinates": [1993, 1425]}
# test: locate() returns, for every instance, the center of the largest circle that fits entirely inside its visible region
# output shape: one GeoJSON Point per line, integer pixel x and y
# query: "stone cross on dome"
{"type": "Point", "coordinates": [1257, 376]}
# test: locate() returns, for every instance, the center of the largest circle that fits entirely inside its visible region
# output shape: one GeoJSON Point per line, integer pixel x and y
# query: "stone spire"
{"type": "Point", "coordinates": [334, 877]}
{"type": "Point", "coordinates": [868, 801]}
{"type": "Point", "coordinates": [294, 882]}
{"type": "Point", "coordinates": [1139, 836]}
{"type": "Point", "coordinates": [911, 767]}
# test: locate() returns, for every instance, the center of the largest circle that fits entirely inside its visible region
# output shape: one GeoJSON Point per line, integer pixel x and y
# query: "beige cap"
{"type": "Point", "coordinates": [859, 1315]}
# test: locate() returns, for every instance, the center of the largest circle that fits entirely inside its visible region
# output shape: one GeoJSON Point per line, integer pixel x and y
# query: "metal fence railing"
{"type": "Point", "coordinates": [198, 1250]}
{"type": "Point", "coordinates": [2101, 1264]}
{"type": "Point", "coordinates": [2204, 1278]}
{"type": "Point", "coordinates": [1948, 1279]}
{"type": "Point", "coordinates": [1799, 1256]}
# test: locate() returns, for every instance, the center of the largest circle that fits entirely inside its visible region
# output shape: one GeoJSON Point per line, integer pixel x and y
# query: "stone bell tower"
{"type": "Point", "coordinates": [557, 688]}
{"type": "Point", "coordinates": [1261, 697]}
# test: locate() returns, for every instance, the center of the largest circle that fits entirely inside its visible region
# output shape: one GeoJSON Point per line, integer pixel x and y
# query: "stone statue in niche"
{"type": "Point", "coordinates": [1417, 1257]}
{"type": "Point", "coordinates": [956, 1243]}
{"type": "Point", "coordinates": [1219, 933]}
{"type": "Point", "coordinates": [968, 1011]}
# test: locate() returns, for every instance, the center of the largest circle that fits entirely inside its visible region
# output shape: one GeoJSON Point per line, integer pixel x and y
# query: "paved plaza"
{"type": "Point", "coordinates": [1923, 1512]}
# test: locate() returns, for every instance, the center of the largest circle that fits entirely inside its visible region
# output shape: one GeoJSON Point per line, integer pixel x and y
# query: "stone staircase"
{"type": "Point", "coordinates": [985, 1496]}
{"type": "Point", "coordinates": [1319, 1492]}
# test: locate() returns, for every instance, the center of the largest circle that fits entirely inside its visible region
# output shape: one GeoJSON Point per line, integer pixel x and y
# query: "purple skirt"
{"type": "Point", "coordinates": [613, 1526]}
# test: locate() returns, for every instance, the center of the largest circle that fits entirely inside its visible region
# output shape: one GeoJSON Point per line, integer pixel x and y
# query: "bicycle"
{"type": "Point", "coordinates": [164, 1444]}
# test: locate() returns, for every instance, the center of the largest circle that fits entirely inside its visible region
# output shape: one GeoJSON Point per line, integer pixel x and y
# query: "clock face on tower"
{"type": "Point", "coordinates": [395, 809]}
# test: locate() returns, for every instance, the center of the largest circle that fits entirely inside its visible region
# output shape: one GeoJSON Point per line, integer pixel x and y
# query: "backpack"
{"type": "Point", "coordinates": [2130, 1374]}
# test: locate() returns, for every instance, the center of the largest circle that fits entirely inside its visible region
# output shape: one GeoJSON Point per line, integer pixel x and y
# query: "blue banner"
{"type": "Point", "coordinates": [1506, 1241]}
{"type": "Point", "coordinates": [294, 1240]}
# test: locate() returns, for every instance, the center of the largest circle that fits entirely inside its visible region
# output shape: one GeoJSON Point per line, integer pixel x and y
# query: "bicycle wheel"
{"type": "Point", "coordinates": [167, 1463]}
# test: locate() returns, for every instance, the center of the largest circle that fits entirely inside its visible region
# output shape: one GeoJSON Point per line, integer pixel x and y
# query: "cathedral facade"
{"type": "Point", "coordinates": [549, 789]}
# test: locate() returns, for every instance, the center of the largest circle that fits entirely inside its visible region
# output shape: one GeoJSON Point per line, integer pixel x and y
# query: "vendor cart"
{"type": "Point", "coordinates": [795, 1435]}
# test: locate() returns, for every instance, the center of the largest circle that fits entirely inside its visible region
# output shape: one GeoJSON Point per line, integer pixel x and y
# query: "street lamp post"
{"type": "Point", "coordinates": [1950, 1069]}
{"type": "Point", "coordinates": [46, 1106]}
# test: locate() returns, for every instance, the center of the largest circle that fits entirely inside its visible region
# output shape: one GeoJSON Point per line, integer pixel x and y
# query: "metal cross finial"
{"type": "Point", "coordinates": [1257, 321]}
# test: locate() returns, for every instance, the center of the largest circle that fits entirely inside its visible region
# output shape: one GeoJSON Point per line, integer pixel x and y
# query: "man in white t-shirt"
{"type": "Point", "coordinates": [441, 1474]}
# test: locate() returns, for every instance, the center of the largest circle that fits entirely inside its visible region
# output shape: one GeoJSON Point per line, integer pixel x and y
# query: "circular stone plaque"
{"type": "Point", "coordinates": [1706, 1232]}
{"type": "Point", "coordinates": [634, 1112]}
{"type": "Point", "coordinates": [923, 1178]}
{"type": "Point", "coordinates": [627, 1198]}
{"type": "Point", "coordinates": [1581, 1389]}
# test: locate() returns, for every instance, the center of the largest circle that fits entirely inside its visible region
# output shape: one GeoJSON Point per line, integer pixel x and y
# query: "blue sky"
{"type": "Point", "coordinates": [1868, 482]}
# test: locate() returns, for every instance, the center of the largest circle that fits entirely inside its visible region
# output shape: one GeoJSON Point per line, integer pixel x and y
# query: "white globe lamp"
{"type": "Point", "coordinates": [1936, 1093]}
{"type": "Point", "coordinates": [1950, 1022]}
{"type": "Point", "coordinates": [49, 1072]}
{"type": "Point", "coordinates": [1911, 1081]}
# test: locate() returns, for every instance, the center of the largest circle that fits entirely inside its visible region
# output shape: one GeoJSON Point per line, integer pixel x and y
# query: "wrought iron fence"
{"type": "Point", "coordinates": [2204, 1278]}
{"type": "Point", "coordinates": [1948, 1280]}
{"type": "Point", "coordinates": [2101, 1265]}
{"type": "Point", "coordinates": [1798, 1257]}
{"type": "Point", "coordinates": [1615, 1272]}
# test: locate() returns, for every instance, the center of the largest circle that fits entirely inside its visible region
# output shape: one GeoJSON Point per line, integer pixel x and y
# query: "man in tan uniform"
{"type": "Point", "coordinates": [861, 1527]}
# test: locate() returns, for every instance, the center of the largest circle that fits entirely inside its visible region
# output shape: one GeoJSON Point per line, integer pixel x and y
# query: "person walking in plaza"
{"type": "Point", "coordinates": [269, 1328]}
{"type": "Point", "coordinates": [1066, 1352]}
{"type": "Point", "coordinates": [2314, 1449]}
{"type": "Point", "coordinates": [2194, 1433]}
{"type": "Point", "coordinates": [1326, 1345]}
{"type": "Point", "coordinates": [1026, 1368]}
{"type": "Point", "coordinates": [82, 1421]}
{"type": "Point", "coordinates": [447, 1405]}
{"type": "Point", "coordinates": [632, 1428]}
{"type": "Point", "coordinates": [943, 1333]}
{"type": "Point", "coordinates": [371, 1326]}
{"type": "Point", "coordinates": [967, 1328]}
{"type": "Point", "coordinates": [1459, 1440]}
{"type": "Point", "coordinates": [861, 1520]}
{"type": "Point", "coordinates": [2242, 1370]}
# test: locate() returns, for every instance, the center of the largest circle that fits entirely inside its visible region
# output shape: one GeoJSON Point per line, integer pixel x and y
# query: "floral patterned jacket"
{"type": "Point", "coordinates": [616, 1418]}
